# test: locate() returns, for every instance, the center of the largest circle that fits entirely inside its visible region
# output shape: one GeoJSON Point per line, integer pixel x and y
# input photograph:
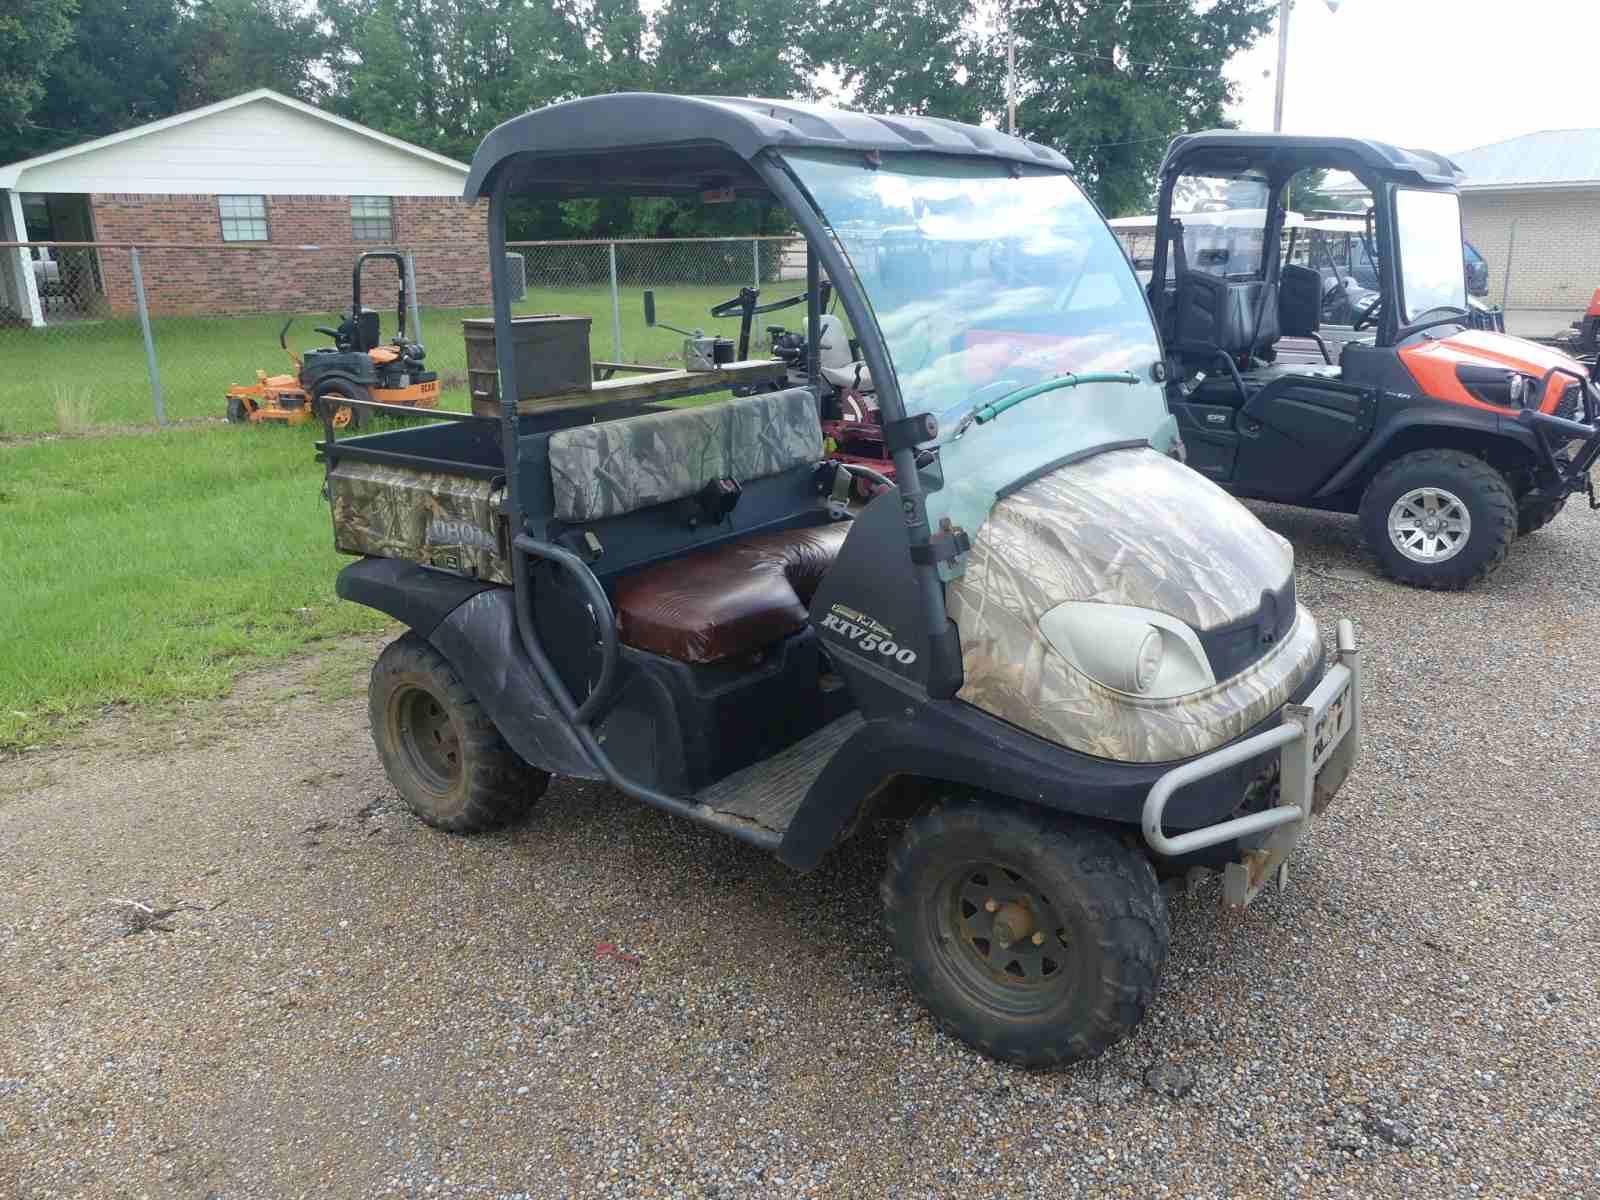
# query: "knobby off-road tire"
{"type": "Point", "coordinates": [1066, 996]}
{"type": "Point", "coordinates": [1475, 496]}
{"type": "Point", "coordinates": [1536, 516]}
{"type": "Point", "coordinates": [439, 748]}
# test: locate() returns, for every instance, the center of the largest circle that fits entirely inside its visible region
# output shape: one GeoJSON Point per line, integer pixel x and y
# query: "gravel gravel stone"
{"type": "Point", "coordinates": [1172, 1081]}
{"type": "Point", "coordinates": [341, 1002]}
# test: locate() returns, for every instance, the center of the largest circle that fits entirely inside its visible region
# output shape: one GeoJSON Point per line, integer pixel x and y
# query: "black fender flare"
{"type": "Point", "coordinates": [473, 624]}
{"type": "Point", "coordinates": [1456, 418]}
{"type": "Point", "coordinates": [408, 593]}
{"type": "Point", "coordinates": [951, 742]}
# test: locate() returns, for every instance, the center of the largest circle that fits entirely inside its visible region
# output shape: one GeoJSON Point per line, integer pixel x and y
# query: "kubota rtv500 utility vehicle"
{"type": "Point", "coordinates": [1448, 440]}
{"type": "Point", "coordinates": [1070, 663]}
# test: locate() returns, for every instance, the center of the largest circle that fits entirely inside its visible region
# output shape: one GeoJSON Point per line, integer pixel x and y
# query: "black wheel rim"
{"type": "Point", "coordinates": [427, 738]}
{"type": "Point", "coordinates": [1001, 939]}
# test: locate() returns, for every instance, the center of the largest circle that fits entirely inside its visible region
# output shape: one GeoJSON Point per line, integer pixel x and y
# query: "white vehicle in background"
{"type": "Point", "coordinates": [46, 271]}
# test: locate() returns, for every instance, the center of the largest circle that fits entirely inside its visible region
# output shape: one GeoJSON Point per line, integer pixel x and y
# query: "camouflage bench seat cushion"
{"type": "Point", "coordinates": [616, 467]}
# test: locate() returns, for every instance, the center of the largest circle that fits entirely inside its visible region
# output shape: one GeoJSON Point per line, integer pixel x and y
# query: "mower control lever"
{"type": "Point", "coordinates": [651, 322]}
{"type": "Point", "coordinates": [333, 333]}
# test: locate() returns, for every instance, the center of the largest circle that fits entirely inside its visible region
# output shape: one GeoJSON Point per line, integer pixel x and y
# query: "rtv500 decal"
{"type": "Point", "coordinates": [867, 635]}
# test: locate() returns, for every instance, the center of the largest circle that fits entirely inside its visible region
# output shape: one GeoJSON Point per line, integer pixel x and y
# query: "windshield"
{"type": "Point", "coordinates": [1428, 233]}
{"type": "Point", "coordinates": [1224, 220]}
{"type": "Point", "coordinates": [984, 282]}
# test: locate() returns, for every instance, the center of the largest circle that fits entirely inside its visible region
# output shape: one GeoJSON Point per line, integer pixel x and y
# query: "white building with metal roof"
{"type": "Point", "coordinates": [1531, 205]}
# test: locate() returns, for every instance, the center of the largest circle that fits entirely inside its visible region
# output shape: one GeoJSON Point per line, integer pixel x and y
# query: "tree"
{"type": "Point", "coordinates": [919, 57]}
{"type": "Point", "coordinates": [234, 46]}
{"type": "Point", "coordinates": [117, 71]}
{"type": "Point", "coordinates": [616, 59]}
{"type": "Point", "coordinates": [31, 35]}
{"type": "Point", "coordinates": [442, 73]}
{"type": "Point", "coordinates": [729, 48]}
{"type": "Point", "coordinates": [1110, 82]}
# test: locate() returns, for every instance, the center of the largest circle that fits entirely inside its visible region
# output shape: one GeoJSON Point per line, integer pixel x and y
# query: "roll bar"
{"type": "Point", "coordinates": [355, 286]}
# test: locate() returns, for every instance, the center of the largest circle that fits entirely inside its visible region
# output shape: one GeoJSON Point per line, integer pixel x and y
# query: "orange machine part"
{"type": "Point", "coordinates": [1433, 365]}
{"type": "Point", "coordinates": [422, 395]}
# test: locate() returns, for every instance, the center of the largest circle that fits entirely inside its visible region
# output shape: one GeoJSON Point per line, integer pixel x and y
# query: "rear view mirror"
{"type": "Point", "coordinates": [650, 308]}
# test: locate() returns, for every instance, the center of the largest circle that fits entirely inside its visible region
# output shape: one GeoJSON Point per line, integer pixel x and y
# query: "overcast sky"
{"type": "Point", "coordinates": [1443, 75]}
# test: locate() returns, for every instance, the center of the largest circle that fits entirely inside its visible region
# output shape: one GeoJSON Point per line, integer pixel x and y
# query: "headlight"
{"type": "Point", "coordinates": [1516, 388]}
{"type": "Point", "coordinates": [1136, 651]}
{"type": "Point", "coordinates": [1147, 666]}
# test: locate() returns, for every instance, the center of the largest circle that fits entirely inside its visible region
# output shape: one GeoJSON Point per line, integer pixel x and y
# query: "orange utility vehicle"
{"type": "Point", "coordinates": [358, 366]}
{"type": "Point", "coordinates": [1448, 440]}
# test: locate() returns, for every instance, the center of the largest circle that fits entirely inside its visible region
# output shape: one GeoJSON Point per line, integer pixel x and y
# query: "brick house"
{"type": "Point", "coordinates": [255, 204]}
{"type": "Point", "coordinates": [1531, 205]}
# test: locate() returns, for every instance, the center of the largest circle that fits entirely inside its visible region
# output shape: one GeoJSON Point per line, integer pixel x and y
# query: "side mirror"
{"type": "Point", "coordinates": [649, 308]}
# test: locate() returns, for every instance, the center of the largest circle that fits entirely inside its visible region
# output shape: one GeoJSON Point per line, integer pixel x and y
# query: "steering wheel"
{"type": "Point", "coordinates": [1368, 315]}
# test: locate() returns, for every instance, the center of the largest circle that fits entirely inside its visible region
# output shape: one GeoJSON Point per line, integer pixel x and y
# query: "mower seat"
{"type": "Point", "coordinates": [857, 376]}
{"type": "Point", "coordinates": [728, 602]}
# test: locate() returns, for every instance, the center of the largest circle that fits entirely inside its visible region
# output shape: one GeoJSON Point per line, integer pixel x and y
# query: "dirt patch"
{"type": "Point", "coordinates": [231, 964]}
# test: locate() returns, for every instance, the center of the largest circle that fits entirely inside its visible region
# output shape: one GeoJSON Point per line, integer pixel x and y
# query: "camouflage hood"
{"type": "Point", "coordinates": [1127, 527]}
{"type": "Point", "coordinates": [1132, 527]}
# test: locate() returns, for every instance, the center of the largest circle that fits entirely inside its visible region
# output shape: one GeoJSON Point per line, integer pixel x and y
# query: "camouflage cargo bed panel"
{"type": "Point", "coordinates": [430, 517]}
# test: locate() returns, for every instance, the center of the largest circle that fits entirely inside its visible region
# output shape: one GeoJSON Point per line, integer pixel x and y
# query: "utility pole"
{"type": "Point", "coordinates": [1011, 75]}
{"type": "Point", "coordinates": [1283, 55]}
{"type": "Point", "coordinates": [1283, 62]}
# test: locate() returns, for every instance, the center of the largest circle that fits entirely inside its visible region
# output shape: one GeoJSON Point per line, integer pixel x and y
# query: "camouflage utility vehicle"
{"type": "Point", "coordinates": [1068, 663]}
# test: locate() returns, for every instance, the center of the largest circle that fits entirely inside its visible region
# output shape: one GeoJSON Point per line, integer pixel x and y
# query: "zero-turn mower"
{"type": "Point", "coordinates": [358, 366]}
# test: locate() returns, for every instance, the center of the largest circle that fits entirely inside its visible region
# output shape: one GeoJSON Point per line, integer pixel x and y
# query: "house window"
{"type": "Point", "coordinates": [244, 218]}
{"type": "Point", "coordinates": [371, 218]}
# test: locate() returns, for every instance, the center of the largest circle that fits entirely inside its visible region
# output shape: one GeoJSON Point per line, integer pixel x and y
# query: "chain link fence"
{"type": "Point", "coordinates": [94, 334]}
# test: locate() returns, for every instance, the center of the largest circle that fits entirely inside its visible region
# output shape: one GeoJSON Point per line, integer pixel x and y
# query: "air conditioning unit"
{"type": "Point", "coordinates": [516, 275]}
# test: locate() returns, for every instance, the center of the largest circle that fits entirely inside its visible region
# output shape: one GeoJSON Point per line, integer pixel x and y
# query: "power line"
{"type": "Point", "coordinates": [1121, 62]}
{"type": "Point", "coordinates": [1109, 145]}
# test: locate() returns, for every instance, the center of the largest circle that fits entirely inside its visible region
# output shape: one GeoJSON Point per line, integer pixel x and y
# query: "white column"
{"type": "Point", "coordinates": [16, 230]}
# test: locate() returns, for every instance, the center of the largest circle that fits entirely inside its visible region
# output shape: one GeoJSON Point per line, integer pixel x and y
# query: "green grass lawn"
{"type": "Point", "coordinates": [155, 567]}
{"type": "Point", "coordinates": [88, 373]}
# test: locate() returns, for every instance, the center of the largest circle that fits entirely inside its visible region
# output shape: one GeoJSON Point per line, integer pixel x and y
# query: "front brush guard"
{"type": "Point", "coordinates": [1551, 433]}
{"type": "Point", "coordinates": [1318, 741]}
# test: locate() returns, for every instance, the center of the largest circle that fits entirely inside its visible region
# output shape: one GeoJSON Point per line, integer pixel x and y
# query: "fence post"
{"type": "Point", "coordinates": [413, 315]}
{"type": "Point", "coordinates": [755, 263]}
{"type": "Point", "coordinates": [149, 342]}
{"type": "Point", "coordinates": [1505, 287]}
{"type": "Point", "coordinates": [616, 306]}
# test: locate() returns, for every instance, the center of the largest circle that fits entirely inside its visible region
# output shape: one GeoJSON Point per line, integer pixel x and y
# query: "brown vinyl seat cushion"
{"type": "Point", "coordinates": [729, 601]}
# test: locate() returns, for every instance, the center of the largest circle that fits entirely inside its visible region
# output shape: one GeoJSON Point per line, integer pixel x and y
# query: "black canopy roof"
{"type": "Point", "coordinates": [1283, 154]}
{"type": "Point", "coordinates": [645, 142]}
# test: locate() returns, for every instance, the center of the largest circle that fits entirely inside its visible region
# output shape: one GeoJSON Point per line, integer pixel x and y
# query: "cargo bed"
{"type": "Point", "coordinates": [430, 494]}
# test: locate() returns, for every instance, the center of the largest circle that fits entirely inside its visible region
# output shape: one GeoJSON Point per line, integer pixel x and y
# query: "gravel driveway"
{"type": "Point", "coordinates": [610, 1002]}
